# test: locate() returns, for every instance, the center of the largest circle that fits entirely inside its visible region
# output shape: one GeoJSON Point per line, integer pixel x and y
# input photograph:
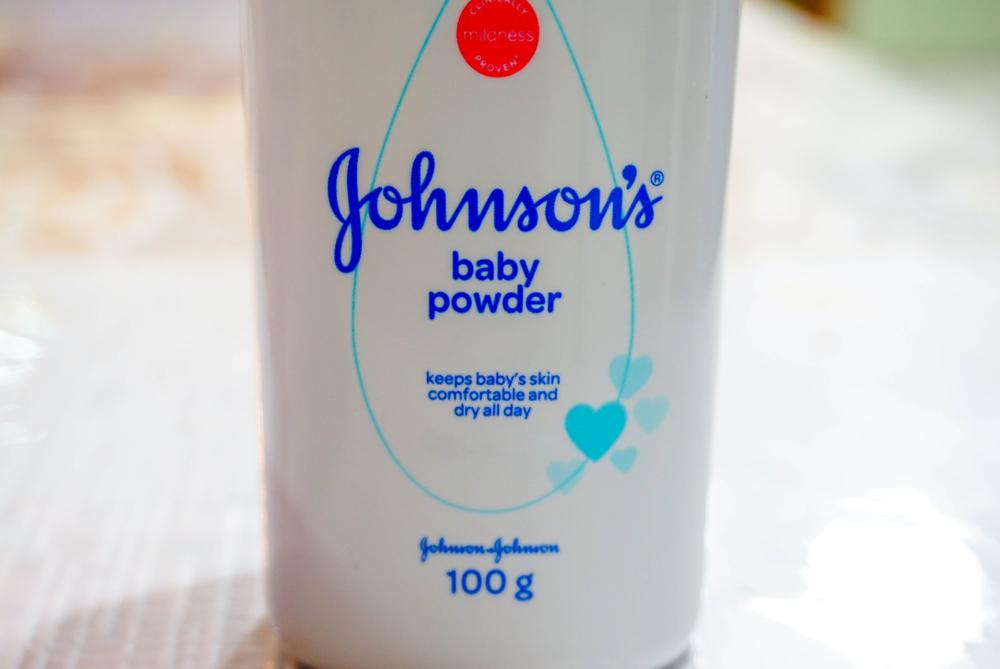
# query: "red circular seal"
{"type": "Point", "coordinates": [498, 38]}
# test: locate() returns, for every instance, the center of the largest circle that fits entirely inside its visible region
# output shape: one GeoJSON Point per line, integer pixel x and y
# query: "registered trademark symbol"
{"type": "Point", "coordinates": [657, 178]}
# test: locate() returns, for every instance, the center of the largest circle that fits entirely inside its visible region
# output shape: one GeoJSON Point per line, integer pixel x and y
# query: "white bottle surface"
{"type": "Point", "coordinates": [488, 273]}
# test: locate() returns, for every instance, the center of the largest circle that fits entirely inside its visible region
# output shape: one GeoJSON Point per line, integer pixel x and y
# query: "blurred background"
{"type": "Point", "coordinates": [855, 505]}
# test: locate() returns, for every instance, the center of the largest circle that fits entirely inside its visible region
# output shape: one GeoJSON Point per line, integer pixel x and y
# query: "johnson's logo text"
{"type": "Point", "coordinates": [386, 206]}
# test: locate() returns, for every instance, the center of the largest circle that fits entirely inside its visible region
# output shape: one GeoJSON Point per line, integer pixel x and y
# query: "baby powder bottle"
{"type": "Point", "coordinates": [488, 272]}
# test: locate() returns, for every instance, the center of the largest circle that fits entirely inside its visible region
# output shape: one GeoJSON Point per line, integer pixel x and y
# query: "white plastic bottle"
{"type": "Point", "coordinates": [489, 247]}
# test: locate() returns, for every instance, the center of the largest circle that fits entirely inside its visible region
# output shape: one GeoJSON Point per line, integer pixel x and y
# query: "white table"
{"type": "Point", "coordinates": [855, 507]}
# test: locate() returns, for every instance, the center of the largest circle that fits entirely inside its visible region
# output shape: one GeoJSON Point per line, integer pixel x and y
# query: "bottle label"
{"type": "Point", "coordinates": [494, 241]}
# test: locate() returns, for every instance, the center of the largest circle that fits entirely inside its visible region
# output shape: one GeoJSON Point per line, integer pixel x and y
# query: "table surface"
{"type": "Point", "coordinates": [854, 514]}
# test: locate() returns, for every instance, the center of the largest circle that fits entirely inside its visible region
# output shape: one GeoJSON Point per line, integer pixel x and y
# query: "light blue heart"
{"type": "Point", "coordinates": [650, 413]}
{"type": "Point", "coordinates": [638, 374]}
{"type": "Point", "coordinates": [624, 459]}
{"type": "Point", "coordinates": [565, 475]}
{"type": "Point", "coordinates": [595, 432]}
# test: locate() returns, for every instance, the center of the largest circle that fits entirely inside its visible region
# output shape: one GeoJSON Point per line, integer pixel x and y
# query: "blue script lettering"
{"type": "Point", "coordinates": [497, 550]}
{"type": "Point", "coordinates": [347, 205]}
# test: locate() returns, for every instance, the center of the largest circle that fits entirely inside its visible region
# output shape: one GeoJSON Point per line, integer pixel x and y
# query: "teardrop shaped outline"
{"type": "Point", "coordinates": [354, 289]}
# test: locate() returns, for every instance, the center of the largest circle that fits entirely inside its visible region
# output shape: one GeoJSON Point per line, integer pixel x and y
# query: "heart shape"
{"type": "Point", "coordinates": [595, 432]}
{"type": "Point", "coordinates": [565, 475]}
{"type": "Point", "coordinates": [638, 374]}
{"type": "Point", "coordinates": [650, 413]}
{"type": "Point", "coordinates": [624, 459]}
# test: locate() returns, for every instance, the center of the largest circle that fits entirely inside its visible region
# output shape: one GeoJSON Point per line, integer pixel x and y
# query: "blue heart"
{"type": "Point", "coordinates": [650, 413]}
{"type": "Point", "coordinates": [638, 374]}
{"type": "Point", "coordinates": [595, 432]}
{"type": "Point", "coordinates": [565, 475]}
{"type": "Point", "coordinates": [624, 459]}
